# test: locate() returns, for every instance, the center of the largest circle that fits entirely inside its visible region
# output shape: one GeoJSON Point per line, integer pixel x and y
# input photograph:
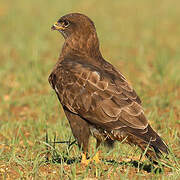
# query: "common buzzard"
{"type": "Point", "coordinates": [96, 97]}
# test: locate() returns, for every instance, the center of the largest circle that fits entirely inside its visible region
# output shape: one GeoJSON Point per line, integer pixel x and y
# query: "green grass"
{"type": "Point", "coordinates": [141, 38]}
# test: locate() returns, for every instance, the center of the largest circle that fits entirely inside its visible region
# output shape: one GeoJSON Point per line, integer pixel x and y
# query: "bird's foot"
{"type": "Point", "coordinates": [86, 161]}
{"type": "Point", "coordinates": [96, 158]}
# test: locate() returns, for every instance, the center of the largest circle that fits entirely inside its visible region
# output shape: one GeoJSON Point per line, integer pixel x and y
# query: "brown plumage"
{"type": "Point", "coordinates": [95, 96]}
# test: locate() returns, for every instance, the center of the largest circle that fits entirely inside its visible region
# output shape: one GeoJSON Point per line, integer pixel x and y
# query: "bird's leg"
{"type": "Point", "coordinates": [84, 160]}
{"type": "Point", "coordinates": [96, 156]}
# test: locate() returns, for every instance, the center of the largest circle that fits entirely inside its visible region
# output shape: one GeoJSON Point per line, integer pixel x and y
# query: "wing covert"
{"type": "Point", "coordinates": [101, 97]}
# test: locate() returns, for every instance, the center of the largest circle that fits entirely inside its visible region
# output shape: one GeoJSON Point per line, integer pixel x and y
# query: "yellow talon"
{"type": "Point", "coordinates": [86, 161]}
{"type": "Point", "coordinates": [96, 158]}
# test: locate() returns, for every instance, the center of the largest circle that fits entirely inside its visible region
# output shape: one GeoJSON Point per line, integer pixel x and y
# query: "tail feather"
{"type": "Point", "coordinates": [158, 144]}
{"type": "Point", "coordinates": [149, 136]}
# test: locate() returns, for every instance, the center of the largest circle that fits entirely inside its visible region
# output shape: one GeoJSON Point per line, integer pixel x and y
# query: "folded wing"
{"type": "Point", "coordinates": [101, 95]}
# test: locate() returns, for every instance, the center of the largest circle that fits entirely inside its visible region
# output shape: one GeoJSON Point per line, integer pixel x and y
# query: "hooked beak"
{"type": "Point", "coordinates": [57, 26]}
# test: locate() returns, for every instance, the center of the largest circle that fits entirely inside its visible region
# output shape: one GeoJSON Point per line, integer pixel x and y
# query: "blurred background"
{"type": "Point", "coordinates": [141, 38]}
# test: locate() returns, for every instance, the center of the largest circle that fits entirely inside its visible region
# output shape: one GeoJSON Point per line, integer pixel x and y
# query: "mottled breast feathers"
{"type": "Point", "coordinates": [101, 95]}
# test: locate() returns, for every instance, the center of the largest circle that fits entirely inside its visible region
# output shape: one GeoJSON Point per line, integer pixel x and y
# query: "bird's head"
{"type": "Point", "coordinates": [80, 34]}
{"type": "Point", "coordinates": [74, 24]}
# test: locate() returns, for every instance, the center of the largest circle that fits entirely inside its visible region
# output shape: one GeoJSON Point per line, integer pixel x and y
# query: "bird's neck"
{"type": "Point", "coordinates": [82, 46]}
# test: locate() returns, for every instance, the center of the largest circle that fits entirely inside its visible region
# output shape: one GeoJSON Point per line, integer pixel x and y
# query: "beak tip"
{"type": "Point", "coordinates": [53, 28]}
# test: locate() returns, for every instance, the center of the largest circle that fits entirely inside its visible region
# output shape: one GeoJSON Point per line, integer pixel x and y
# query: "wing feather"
{"type": "Point", "coordinates": [102, 96]}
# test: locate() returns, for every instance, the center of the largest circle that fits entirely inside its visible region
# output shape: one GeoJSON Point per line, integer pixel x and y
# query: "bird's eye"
{"type": "Point", "coordinates": [66, 23]}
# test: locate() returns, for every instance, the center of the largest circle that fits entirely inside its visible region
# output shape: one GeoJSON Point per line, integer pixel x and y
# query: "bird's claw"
{"type": "Point", "coordinates": [86, 161]}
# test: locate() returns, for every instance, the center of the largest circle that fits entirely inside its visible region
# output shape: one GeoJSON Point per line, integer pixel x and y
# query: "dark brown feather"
{"type": "Point", "coordinates": [96, 97]}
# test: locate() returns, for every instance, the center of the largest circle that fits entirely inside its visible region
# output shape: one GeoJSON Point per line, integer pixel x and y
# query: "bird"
{"type": "Point", "coordinates": [96, 98]}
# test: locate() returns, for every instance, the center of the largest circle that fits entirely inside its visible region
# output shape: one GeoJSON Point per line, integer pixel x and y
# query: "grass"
{"type": "Point", "coordinates": [141, 38]}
